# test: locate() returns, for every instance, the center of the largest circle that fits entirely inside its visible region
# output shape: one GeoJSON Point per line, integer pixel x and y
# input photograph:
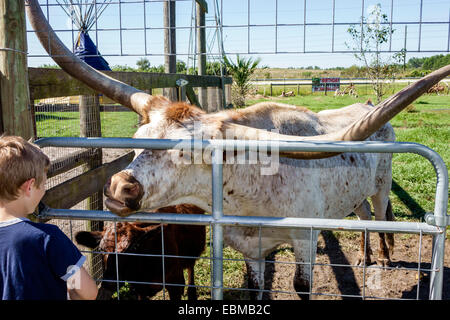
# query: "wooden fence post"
{"type": "Point", "coordinates": [213, 98]}
{"type": "Point", "coordinates": [14, 93]}
{"type": "Point", "coordinates": [90, 126]}
{"type": "Point", "coordinates": [228, 101]}
{"type": "Point", "coordinates": [201, 49]}
{"type": "Point", "coordinates": [170, 49]}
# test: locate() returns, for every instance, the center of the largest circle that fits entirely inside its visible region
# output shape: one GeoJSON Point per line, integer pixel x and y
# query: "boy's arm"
{"type": "Point", "coordinates": [81, 286]}
{"type": "Point", "coordinates": [66, 262]}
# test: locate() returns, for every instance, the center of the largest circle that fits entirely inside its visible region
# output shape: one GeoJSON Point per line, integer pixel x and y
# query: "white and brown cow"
{"type": "Point", "coordinates": [306, 184]}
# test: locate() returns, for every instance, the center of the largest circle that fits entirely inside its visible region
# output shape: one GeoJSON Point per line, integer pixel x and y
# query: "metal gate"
{"type": "Point", "coordinates": [435, 223]}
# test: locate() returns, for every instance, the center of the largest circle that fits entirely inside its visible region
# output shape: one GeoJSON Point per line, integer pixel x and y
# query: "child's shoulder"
{"type": "Point", "coordinates": [27, 229]}
{"type": "Point", "coordinates": [25, 233]}
{"type": "Point", "coordinates": [45, 228]}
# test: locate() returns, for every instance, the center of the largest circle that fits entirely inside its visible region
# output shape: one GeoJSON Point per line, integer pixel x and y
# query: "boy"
{"type": "Point", "coordinates": [37, 261]}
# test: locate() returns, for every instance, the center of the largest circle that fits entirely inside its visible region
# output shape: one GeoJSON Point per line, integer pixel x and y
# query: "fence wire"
{"type": "Point", "coordinates": [415, 272]}
{"type": "Point", "coordinates": [335, 276]}
{"type": "Point", "coordinates": [61, 117]}
{"type": "Point", "coordinates": [255, 27]}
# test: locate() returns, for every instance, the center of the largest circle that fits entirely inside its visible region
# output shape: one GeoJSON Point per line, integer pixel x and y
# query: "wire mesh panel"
{"type": "Point", "coordinates": [335, 275]}
{"type": "Point", "coordinates": [76, 116]}
{"type": "Point", "coordinates": [411, 275]}
{"type": "Point", "coordinates": [233, 27]}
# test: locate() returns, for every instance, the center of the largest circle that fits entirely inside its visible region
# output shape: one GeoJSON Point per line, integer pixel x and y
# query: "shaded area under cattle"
{"type": "Point", "coordinates": [346, 282]}
{"type": "Point", "coordinates": [413, 206]}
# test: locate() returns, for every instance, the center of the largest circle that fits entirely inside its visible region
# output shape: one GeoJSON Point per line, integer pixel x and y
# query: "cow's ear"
{"type": "Point", "coordinates": [89, 239]}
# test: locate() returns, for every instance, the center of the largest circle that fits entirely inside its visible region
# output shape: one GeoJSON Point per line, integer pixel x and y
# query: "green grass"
{"type": "Point", "coordinates": [67, 124]}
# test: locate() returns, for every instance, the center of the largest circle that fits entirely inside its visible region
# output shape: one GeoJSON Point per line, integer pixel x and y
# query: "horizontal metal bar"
{"type": "Point", "coordinates": [340, 78]}
{"type": "Point", "coordinates": [248, 221]}
{"type": "Point", "coordinates": [240, 26]}
{"type": "Point", "coordinates": [280, 84]}
{"type": "Point", "coordinates": [232, 53]}
{"type": "Point", "coordinates": [374, 267]}
{"type": "Point", "coordinates": [231, 145]}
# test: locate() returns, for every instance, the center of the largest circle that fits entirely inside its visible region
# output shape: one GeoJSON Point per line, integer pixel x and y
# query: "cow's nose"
{"type": "Point", "coordinates": [124, 191]}
{"type": "Point", "coordinates": [124, 186]}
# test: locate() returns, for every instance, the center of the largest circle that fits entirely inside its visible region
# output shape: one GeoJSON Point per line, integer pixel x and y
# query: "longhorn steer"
{"type": "Point", "coordinates": [438, 88]}
{"type": "Point", "coordinates": [307, 184]}
{"type": "Point", "coordinates": [146, 238]}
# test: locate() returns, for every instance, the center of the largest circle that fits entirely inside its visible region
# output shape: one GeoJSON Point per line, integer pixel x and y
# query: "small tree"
{"type": "Point", "coordinates": [368, 39]}
{"type": "Point", "coordinates": [241, 71]}
{"type": "Point", "coordinates": [143, 65]}
{"type": "Point", "coordinates": [181, 66]}
{"type": "Point", "coordinates": [123, 68]}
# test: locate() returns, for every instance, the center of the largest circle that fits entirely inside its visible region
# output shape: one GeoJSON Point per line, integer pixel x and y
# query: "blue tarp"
{"type": "Point", "coordinates": [87, 51]}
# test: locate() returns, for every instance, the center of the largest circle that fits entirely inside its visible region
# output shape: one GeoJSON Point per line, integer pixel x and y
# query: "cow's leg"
{"type": "Point", "coordinates": [364, 213]}
{"type": "Point", "coordinates": [192, 291]}
{"type": "Point", "coordinates": [254, 249]}
{"type": "Point", "coordinates": [255, 275]}
{"type": "Point", "coordinates": [305, 248]}
{"type": "Point", "coordinates": [383, 211]}
{"type": "Point", "coordinates": [175, 292]}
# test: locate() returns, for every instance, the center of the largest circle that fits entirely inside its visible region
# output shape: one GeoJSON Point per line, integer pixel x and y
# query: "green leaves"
{"type": "Point", "coordinates": [368, 39]}
{"type": "Point", "coordinates": [241, 71]}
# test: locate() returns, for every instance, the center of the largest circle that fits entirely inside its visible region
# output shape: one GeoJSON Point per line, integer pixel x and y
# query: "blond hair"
{"type": "Point", "coordinates": [20, 161]}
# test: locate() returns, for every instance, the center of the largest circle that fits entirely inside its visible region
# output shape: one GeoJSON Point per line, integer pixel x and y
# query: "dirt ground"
{"type": "Point", "coordinates": [399, 281]}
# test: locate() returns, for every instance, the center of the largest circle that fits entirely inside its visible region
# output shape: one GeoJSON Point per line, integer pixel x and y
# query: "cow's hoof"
{"type": "Point", "coordinates": [361, 262]}
{"type": "Point", "coordinates": [383, 262]}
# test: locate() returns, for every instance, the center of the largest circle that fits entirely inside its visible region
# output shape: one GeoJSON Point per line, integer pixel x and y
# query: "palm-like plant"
{"type": "Point", "coordinates": [241, 71]}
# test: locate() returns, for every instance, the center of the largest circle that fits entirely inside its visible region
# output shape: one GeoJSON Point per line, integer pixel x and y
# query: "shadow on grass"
{"type": "Point", "coordinates": [417, 211]}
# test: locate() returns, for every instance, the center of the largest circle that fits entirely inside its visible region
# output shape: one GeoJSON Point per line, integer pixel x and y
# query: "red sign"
{"type": "Point", "coordinates": [330, 80]}
{"type": "Point", "coordinates": [326, 84]}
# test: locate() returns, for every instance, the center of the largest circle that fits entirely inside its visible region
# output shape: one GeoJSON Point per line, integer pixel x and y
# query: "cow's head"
{"type": "Point", "coordinates": [133, 240]}
{"type": "Point", "coordinates": [154, 179]}
{"type": "Point", "coordinates": [129, 237]}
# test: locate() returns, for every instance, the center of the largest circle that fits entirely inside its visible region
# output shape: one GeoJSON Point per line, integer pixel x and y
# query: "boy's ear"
{"type": "Point", "coordinates": [26, 186]}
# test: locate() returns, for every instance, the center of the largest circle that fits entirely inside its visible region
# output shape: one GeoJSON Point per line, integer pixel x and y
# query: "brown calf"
{"type": "Point", "coordinates": [145, 238]}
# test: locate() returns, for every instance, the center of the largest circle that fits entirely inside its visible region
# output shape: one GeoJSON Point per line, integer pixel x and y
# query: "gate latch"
{"type": "Point", "coordinates": [433, 220]}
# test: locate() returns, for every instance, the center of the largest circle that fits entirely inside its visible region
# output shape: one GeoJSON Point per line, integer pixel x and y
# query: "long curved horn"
{"type": "Point", "coordinates": [357, 131]}
{"type": "Point", "coordinates": [120, 92]}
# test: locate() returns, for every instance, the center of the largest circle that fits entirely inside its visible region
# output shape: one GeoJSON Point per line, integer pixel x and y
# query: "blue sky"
{"type": "Point", "coordinates": [270, 29]}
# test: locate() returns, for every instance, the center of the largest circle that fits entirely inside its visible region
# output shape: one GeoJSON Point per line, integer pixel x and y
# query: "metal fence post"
{"type": "Point", "coordinates": [439, 219]}
{"type": "Point", "coordinates": [217, 213]}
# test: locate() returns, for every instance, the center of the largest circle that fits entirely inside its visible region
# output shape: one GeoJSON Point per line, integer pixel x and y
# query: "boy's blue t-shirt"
{"type": "Point", "coordinates": [36, 260]}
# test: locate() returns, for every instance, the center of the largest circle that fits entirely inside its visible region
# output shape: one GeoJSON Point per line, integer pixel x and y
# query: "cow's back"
{"type": "Point", "coordinates": [292, 120]}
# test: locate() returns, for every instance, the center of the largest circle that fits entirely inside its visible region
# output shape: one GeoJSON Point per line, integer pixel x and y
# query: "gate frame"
{"type": "Point", "coordinates": [435, 223]}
